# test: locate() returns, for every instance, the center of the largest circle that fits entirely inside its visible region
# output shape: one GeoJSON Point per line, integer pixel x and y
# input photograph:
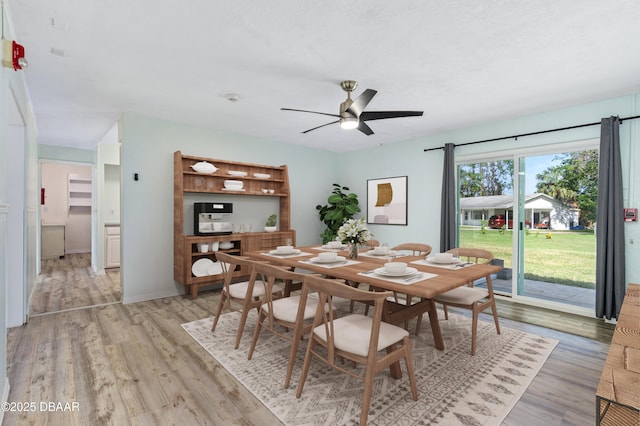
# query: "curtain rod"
{"type": "Point", "coordinates": [532, 133]}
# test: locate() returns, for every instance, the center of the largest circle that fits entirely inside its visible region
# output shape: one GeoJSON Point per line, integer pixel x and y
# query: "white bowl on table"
{"type": "Point", "coordinates": [284, 249]}
{"type": "Point", "coordinates": [444, 258]}
{"type": "Point", "coordinates": [328, 256]}
{"type": "Point", "coordinates": [335, 244]}
{"type": "Point", "coordinates": [395, 267]}
{"type": "Point", "coordinates": [380, 250]}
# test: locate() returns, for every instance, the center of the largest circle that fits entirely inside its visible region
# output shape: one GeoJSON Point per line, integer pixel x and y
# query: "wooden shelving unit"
{"type": "Point", "coordinates": [186, 180]}
{"type": "Point", "coordinates": [79, 191]}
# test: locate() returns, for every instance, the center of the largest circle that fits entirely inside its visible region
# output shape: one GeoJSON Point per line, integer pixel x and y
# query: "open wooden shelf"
{"type": "Point", "coordinates": [186, 180]}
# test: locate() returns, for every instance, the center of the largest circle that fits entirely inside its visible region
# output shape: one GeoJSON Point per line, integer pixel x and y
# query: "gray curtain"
{"type": "Point", "coordinates": [449, 196]}
{"type": "Point", "coordinates": [610, 262]}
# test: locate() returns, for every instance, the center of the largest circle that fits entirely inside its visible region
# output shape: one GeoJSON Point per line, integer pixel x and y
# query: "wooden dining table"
{"type": "Point", "coordinates": [433, 281]}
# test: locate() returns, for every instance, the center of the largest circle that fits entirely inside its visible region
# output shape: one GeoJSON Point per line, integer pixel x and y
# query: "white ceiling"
{"type": "Point", "coordinates": [463, 63]}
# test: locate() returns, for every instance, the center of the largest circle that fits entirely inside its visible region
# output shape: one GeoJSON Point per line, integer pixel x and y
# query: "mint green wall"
{"type": "Point", "coordinates": [148, 146]}
{"type": "Point", "coordinates": [424, 169]}
{"type": "Point", "coordinates": [147, 205]}
{"type": "Point", "coordinates": [61, 153]}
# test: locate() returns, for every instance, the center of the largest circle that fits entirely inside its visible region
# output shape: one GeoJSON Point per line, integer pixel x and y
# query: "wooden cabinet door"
{"type": "Point", "coordinates": [113, 251]}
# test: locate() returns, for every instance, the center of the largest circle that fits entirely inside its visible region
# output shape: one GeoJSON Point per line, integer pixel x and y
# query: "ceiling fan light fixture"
{"type": "Point", "coordinates": [349, 123]}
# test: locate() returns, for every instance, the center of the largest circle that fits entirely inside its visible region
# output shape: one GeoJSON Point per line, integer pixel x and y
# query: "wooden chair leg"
{"type": "Point", "coordinates": [223, 297]}
{"type": "Point", "coordinates": [474, 330]}
{"type": "Point", "coordinates": [408, 359]}
{"type": "Point", "coordinates": [419, 322]}
{"type": "Point", "coordinates": [295, 342]}
{"type": "Point", "coordinates": [446, 312]}
{"type": "Point", "coordinates": [243, 320]}
{"type": "Point", "coordinates": [305, 367]}
{"type": "Point", "coordinates": [366, 395]}
{"type": "Point", "coordinates": [256, 334]}
{"type": "Point", "coordinates": [494, 311]}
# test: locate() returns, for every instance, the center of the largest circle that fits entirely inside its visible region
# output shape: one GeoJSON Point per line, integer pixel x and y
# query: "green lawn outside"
{"type": "Point", "coordinates": [566, 258]}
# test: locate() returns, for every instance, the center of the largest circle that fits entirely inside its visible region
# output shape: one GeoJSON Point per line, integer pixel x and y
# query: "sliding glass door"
{"type": "Point", "coordinates": [536, 211]}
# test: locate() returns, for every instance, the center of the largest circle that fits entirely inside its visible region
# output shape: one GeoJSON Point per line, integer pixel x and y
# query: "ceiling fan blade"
{"type": "Point", "coordinates": [380, 115]}
{"type": "Point", "coordinates": [362, 126]}
{"type": "Point", "coordinates": [361, 102]}
{"type": "Point", "coordinates": [333, 122]}
{"type": "Point", "coordinates": [312, 112]}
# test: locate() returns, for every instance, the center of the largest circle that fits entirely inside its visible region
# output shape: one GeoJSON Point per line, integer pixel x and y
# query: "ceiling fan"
{"type": "Point", "coordinates": [352, 114]}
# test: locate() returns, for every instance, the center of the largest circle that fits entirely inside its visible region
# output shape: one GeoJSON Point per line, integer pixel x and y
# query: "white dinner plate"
{"type": "Point", "coordinates": [408, 271]}
{"type": "Point", "coordinates": [321, 260]}
{"type": "Point", "coordinates": [443, 261]}
{"type": "Point", "coordinates": [215, 269]}
{"type": "Point", "coordinates": [279, 253]}
{"type": "Point", "coordinates": [237, 173]}
{"type": "Point", "coordinates": [201, 267]}
{"type": "Point", "coordinates": [262, 175]}
{"type": "Point", "coordinates": [373, 253]}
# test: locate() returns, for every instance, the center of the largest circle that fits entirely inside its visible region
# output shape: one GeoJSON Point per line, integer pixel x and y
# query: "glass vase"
{"type": "Point", "coordinates": [353, 251]}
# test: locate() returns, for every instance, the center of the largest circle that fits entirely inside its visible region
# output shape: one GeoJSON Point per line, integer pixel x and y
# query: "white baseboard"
{"type": "Point", "coordinates": [5, 396]}
{"type": "Point", "coordinates": [151, 296]}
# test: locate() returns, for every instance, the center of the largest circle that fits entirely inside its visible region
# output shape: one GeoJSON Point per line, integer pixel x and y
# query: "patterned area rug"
{"type": "Point", "coordinates": [454, 388]}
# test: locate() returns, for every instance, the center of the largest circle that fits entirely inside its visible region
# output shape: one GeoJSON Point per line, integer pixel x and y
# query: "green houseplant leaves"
{"type": "Point", "coordinates": [340, 207]}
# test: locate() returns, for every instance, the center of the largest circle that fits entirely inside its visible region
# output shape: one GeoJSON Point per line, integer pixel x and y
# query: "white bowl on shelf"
{"type": "Point", "coordinates": [233, 185]}
{"type": "Point", "coordinates": [236, 173]}
{"type": "Point", "coordinates": [225, 245]}
{"type": "Point", "coordinates": [204, 167]}
{"type": "Point", "coordinates": [262, 175]}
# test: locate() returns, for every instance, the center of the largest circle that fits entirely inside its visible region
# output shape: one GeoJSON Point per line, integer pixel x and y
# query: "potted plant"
{"type": "Point", "coordinates": [270, 224]}
{"type": "Point", "coordinates": [354, 232]}
{"type": "Point", "coordinates": [340, 207]}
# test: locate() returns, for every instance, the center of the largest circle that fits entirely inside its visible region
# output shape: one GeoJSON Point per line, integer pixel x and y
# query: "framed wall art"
{"type": "Point", "coordinates": [387, 201]}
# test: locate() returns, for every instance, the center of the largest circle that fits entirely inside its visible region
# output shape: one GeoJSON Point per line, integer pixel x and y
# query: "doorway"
{"type": "Point", "coordinates": [67, 278]}
{"type": "Point", "coordinates": [535, 211]}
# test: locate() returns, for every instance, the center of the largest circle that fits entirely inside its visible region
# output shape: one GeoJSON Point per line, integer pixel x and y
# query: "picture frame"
{"type": "Point", "coordinates": [387, 201]}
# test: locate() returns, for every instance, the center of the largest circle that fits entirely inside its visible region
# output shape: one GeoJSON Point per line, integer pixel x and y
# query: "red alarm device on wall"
{"type": "Point", "coordinates": [630, 215]}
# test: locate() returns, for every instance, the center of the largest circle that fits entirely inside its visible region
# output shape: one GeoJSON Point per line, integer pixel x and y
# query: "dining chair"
{"type": "Point", "coordinates": [246, 293]}
{"type": "Point", "coordinates": [469, 297]}
{"type": "Point", "coordinates": [354, 337]}
{"type": "Point", "coordinates": [372, 243]}
{"type": "Point", "coordinates": [291, 313]}
{"type": "Point", "coordinates": [416, 249]}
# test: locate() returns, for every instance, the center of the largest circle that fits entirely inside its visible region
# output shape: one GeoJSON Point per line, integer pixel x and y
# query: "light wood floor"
{"type": "Point", "coordinates": [133, 364]}
{"type": "Point", "coordinates": [70, 283]}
